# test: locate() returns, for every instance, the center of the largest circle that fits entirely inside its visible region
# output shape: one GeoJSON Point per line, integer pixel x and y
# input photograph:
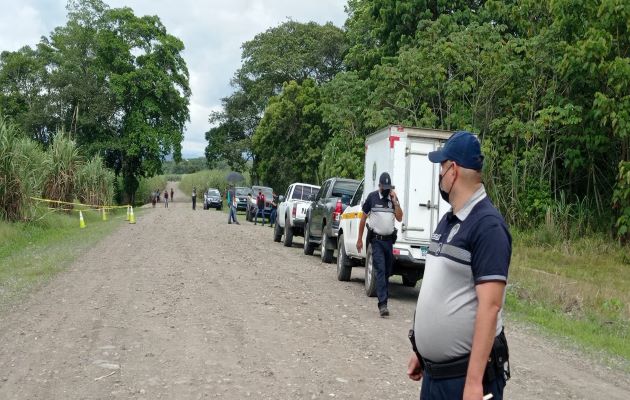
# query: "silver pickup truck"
{"type": "Point", "coordinates": [292, 212]}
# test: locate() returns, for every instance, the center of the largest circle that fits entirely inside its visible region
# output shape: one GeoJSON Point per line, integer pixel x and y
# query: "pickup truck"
{"type": "Point", "coordinates": [292, 212]}
{"type": "Point", "coordinates": [324, 214]}
{"type": "Point", "coordinates": [242, 196]}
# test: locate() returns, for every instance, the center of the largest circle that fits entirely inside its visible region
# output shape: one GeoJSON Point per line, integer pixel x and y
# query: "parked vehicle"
{"type": "Point", "coordinates": [241, 194]}
{"type": "Point", "coordinates": [212, 199]}
{"type": "Point", "coordinates": [252, 206]}
{"type": "Point", "coordinates": [292, 212]}
{"type": "Point", "coordinates": [324, 214]}
{"type": "Point", "coordinates": [403, 152]}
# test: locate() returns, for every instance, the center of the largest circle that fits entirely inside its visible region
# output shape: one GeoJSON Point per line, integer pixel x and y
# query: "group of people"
{"type": "Point", "coordinates": [261, 201]}
{"type": "Point", "coordinates": [458, 343]}
{"type": "Point", "coordinates": [155, 197]}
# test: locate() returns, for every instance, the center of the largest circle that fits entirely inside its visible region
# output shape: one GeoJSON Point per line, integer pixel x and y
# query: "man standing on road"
{"type": "Point", "coordinates": [232, 203]}
{"type": "Point", "coordinates": [274, 209]}
{"type": "Point", "coordinates": [459, 346]}
{"type": "Point", "coordinates": [381, 207]}
{"type": "Point", "coordinates": [194, 197]}
{"type": "Point", "coordinates": [260, 207]}
{"type": "Point", "coordinates": [172, 195]}
{"type": "Point", "coordinates": [166, 199]}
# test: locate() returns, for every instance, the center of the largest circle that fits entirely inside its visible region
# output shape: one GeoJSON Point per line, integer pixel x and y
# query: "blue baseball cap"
{"type": "Point", "coordinates": [463, 148]}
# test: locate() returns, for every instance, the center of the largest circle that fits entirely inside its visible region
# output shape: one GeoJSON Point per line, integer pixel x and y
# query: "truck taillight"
{"type": "Point", "coordinates": [338, 210]}
{"type": "Point", "coordinates": [294, 211]}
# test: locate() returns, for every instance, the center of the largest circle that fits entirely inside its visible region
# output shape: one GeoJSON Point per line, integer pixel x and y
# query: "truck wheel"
{"type": "Point", "coordinates": [277, 233]}
{"type": "Point", "coordinates": [288, 233]}
{"type": "Point", "coordinates": [326, 254]}
{"type": "Point", "coordinates": [308, 247]}
{"type": "Point", "coordinates": [409, 281]}
{"type": "Point", "coordinates": [344, 266]}
{"type": "Point", "coordinates": [370, 274]}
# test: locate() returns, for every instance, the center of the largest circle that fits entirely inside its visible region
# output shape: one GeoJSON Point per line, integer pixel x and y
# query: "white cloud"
{"type": "Point", "coordinates": [212, 31]}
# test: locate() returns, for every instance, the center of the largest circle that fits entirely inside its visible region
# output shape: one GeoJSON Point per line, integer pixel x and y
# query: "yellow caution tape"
{"type": "Point", "coordinates": [93, 206]}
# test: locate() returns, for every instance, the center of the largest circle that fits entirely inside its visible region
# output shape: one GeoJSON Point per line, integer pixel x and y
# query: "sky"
{"type": "Point", "coordinates": [212, 31]}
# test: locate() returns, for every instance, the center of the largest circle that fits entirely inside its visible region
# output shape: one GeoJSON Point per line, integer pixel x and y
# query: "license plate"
{"type": "Point", "coordinates": [425, 250]}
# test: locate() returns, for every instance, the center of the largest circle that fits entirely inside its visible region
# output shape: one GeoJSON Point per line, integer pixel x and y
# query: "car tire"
{"type": "Point", "coordinates": [344, 265]}
{"type": "Point", "coordinates": [326, 254]}
{"type": "Point", "coordinates": [370, 274]}
{"type": "Point", "coordinates": [288, 233]}
{"type": "Point", "coordinates": [277, 233]}
{"type": "Point", "coordinates": [409, 281]}
{"type": "Point", "coordinates": [308, 246]}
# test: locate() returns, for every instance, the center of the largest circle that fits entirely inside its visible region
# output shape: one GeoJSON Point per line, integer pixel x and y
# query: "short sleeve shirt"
{"type": "Point", "coordinates": [380, 212]}
{"type": "Point", "coordinates": [469, 248]}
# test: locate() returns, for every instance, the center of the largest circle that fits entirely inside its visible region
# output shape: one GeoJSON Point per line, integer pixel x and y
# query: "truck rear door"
{"type": "Point", "coordinates": [421, 215]}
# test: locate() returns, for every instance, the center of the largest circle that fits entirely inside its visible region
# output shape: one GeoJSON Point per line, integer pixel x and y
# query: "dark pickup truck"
{"type": "Point", "coordinates": [324, 214]}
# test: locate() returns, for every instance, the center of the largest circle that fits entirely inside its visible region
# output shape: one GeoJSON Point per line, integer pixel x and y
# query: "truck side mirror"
{"type": "Point", "coordinates": [281, 198]}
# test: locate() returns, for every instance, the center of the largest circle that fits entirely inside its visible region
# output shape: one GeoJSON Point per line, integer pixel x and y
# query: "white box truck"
{"type": "Point", "coordinates": [403, 153]}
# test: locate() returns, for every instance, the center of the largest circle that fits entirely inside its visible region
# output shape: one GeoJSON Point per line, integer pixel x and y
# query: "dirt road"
{"type": "Point", "coordinates": [183, 306]}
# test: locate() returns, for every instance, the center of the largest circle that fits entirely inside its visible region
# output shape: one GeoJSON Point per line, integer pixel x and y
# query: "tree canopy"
{"type": "Point", "coordinates": [545, 84]}
{"type": "Point", "coordinates": [116, 82]}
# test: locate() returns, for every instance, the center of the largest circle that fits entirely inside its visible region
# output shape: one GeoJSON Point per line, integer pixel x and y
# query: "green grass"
{"type": "Point", "coordinates": [577, 289]}
{"type": "Point", "coordinates": [32, 253]}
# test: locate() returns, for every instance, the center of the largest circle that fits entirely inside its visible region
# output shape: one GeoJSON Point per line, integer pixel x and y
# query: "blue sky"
{"type": "Point", "coordinates": [212, 30]}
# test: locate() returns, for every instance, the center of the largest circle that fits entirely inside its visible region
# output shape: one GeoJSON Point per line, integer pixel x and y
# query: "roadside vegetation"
{"type": "Point", "coordinates": [573, 288]}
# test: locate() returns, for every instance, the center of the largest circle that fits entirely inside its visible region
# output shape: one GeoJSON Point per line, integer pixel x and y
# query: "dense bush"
{"type": "Point", "coordinates": [59, 173]}
{"type": "Point", "coordinates": [95, 183]}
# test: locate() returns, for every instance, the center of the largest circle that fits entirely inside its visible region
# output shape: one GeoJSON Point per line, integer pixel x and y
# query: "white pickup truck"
{"type": "Point", "coordinates": [403, 153]}
{"type": "Point", "coordinates": [292, 212]}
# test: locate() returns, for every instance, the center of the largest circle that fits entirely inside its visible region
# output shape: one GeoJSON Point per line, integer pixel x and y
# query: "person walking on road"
{"type": "Point", "coordinates": [194, 197]}
{"type": "Point", "coordinates": [382, 208]}
{"type": "Point", "coordinates": [260, 207]}
{"type": "Point", "coordinates": [166, 199]}
{"type": "Point", "coordinates": [459, 347]}
{"type": "Point", "coordinates": [172, 195]}
{"type": "Point", "coordinates": [232, 203]}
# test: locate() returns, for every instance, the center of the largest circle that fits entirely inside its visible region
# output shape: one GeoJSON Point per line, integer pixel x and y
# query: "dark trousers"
{"type": "Point", "coordinates": [447, 389]}
{"type": "Point", "coordinates": [382, 261]}
{"type": "Point", "coordinates": [273, 216]}
{"type": "Point", "coordinates": [194, 199]}
{"type": "Point", "coordinates": [261, 212]}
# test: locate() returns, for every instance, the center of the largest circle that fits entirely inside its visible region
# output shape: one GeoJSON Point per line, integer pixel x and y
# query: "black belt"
{"type": "Point", "coordinates": [382, 237]}
{"type": "Point", "coordinates": [447, 370]}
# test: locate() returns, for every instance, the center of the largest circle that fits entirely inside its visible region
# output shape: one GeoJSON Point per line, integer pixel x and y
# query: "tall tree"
{"type": "Point", "coordinates": [289, 137]}
{"type": "Point", "coordinates": [116, 82]}
{"type": "Point", "coordinates": [292, 51]}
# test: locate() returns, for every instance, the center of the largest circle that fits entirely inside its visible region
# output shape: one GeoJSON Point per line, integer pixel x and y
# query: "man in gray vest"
{"type": "Point", "coordinates": [381, 207]}
{"type": "Point", "coordinates": [460, 350]}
